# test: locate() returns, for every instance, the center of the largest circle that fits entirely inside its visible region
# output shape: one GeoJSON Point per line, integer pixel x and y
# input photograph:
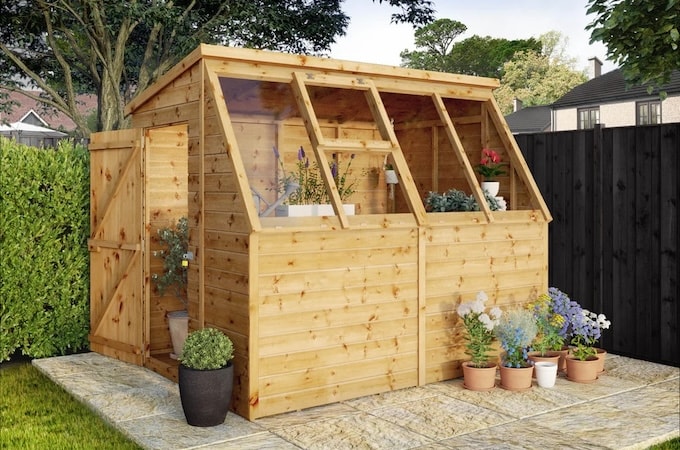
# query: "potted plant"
{"type": "Point", "coordinates": [206, 377]}
{"type": "Point", "coordinates": [391, 174]}
{"type": "Point", "coordinates": [311, 190]}
{"type": "Point", "coordinates": [455, 200]}
{"type": "Point", "coordinates": [562, 305]}
{"type": "Point", "coordinates": [583, 364]}
{"type": "Point", "coordinates": [516, 330]}
{"type": "Point", "coordinates": [175, 242]}
{"type": "Point", "coordinates": [490, 166]}
{"type": "Point", "coordinates": [548, 342]}
{"type": "Point", "coordinates": [478, 373]}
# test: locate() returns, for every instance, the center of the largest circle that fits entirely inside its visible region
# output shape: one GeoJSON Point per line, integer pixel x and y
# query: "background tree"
{"type": "Point", "coordinates": [539, 78]}
{"type": "Point", "coordinates": [115, 49]}
{"type": "Point", "coordinates": [481, 56]}
{"type": "Point", "coordinates": [642, 37]}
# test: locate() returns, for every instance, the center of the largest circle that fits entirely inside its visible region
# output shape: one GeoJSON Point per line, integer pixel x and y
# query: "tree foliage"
{"type": "Point", "coordinates": [481, 56]}
{"type": "Point", "coordinates": [539, 78]}
{"type": "Point", "coordinates": [642, 37]}
{"type": "Point", "coordinates": [116, 49]}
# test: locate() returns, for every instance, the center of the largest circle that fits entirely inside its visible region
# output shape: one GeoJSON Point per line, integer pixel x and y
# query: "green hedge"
{"type": "Point", "coordinates": [44, 261]}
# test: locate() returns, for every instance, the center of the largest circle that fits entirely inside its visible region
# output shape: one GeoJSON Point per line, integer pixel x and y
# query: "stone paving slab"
{"type": "Point", "coordinates": [633, 405]}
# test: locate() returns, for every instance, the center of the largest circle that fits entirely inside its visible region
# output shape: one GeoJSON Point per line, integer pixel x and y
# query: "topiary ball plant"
{"type": "Point", "coordinates": [207, 349]}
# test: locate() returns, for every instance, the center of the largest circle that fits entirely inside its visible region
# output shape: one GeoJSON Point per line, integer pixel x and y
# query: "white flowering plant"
{"type": "Point", "coordinates": [587, 330]}
{"type": "Point", "coordinates": [479, 326]}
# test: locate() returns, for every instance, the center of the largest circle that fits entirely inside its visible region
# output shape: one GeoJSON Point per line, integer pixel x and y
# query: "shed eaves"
{"type": "Point", "coordinates": [611, 87]}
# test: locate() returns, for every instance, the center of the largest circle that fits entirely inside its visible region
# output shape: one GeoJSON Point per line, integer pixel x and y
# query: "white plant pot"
{"type": "Point", "coordinates": [311, 210]}
{"type": "Point", "coordinates": [391, 177]}
{"type": "Point", "coordinates": [178, 323]}
{"type": "Point", "coordinates": [546, 373]}
{"type": "Point", "coordinates": [492, 187]}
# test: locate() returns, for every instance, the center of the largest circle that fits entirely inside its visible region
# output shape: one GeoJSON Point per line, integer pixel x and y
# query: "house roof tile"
{"type": "Point", "coordinates": [611, 87]}
{"type": "Point", "coordinates": [532, 119]}
{"type": "Point", "coordinates": [53, 119]}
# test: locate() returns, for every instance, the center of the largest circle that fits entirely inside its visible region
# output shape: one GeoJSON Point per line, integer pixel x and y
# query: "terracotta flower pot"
{"type": "Point", "coordinates": [479, 378]}
{"type": "Point", "coordinates": [516, 378]}
{"type": "Point", "coordinates": [553, 357]}
{"type": "Point", "coordinates": [562, 365]}
{"type": "Point", "coordinates": [582, 371]}
{"type": "Point", "coordinates": [601, 356]}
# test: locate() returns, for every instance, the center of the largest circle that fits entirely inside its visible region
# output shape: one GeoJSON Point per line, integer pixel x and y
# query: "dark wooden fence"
{"type": "Point", "coordinates": [614, 240]}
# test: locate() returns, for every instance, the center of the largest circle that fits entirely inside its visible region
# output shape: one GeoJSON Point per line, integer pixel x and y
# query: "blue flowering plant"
{"type": "Point", "coordinates": [581, 327]}
{"type": "Point", "coordinates": [307, 176]}
{"type": "Point", "coordinates": [516, 330]}
{"type": "Point", "coordinates": [587, 330]}
{"type": "Point", "coordinates": [479, 326]}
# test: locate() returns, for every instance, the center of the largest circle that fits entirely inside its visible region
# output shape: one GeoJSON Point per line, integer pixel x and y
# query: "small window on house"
{"type": "Point", "coordinates": [649, 113]}
{"type": "Point", "coordinates": [588, 117]}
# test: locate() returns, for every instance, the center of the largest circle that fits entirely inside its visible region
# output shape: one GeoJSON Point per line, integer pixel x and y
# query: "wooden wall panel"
{"type": "Point", "coordinates": [507, 260]}
{"type": "Point", "coordinates": [329, 330]}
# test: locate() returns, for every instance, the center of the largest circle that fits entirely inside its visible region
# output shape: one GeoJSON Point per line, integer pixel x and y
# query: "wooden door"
{"type": "Point", "coordinates": [117, 310]}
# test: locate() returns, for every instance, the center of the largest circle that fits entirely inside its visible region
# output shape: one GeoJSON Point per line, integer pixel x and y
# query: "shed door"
{"type": "Point", "coordinates": [117, 312]}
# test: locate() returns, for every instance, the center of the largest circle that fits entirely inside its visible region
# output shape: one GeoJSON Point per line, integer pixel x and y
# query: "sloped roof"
{"type": "Point", "coordinates": [52, 119]}
{"type": "Point", "coordinates": [611, 87]}
{"type": "Point", "coordinates": [532, 119]}
{"type": "Point", "coordinates": [29, 130]}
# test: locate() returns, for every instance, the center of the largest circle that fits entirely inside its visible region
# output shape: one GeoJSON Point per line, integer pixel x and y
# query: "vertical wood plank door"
{"type": "Point", "coordinates": [115, 244]}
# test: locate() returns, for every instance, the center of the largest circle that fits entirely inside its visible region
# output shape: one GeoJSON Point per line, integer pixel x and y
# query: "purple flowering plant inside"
{"type": "Point", "coordinates": [312, 189]}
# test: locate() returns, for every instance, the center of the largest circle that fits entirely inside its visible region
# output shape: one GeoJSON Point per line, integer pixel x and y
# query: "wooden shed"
{"type": "Point", "coordinates": [320, 308]}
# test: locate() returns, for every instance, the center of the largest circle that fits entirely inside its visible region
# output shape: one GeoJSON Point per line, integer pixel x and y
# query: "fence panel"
{"type": "Point", "coordinates": [613, 194]}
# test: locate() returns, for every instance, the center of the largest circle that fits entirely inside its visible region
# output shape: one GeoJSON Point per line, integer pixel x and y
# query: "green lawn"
{"type": "Point", "coordinates": [36, 414]}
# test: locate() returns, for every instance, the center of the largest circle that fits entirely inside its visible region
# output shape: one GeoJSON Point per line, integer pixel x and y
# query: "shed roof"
{"type": "Point", "coordinates": [465, 82]}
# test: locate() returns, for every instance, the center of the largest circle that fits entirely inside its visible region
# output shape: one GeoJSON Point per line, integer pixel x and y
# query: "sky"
{"type": "Point", "coordinates": [372, 38]}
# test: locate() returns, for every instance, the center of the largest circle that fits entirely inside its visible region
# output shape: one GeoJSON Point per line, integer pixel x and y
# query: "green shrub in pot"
{"type": "Point", "coordinates": [207, 349]}
{"type": "Point", "coordinates": [206, 377]}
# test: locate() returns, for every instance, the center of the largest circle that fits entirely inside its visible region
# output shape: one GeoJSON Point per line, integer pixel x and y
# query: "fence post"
{"type": "Point", "coordinates": [598, 232]}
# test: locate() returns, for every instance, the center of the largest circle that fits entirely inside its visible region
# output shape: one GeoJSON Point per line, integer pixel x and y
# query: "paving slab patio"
{"type": "Point", "coordinates": [634, 404]}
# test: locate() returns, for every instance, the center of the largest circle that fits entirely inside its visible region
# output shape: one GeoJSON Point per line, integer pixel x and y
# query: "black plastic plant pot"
{"type": "Point", "coordinates": [206, 394]}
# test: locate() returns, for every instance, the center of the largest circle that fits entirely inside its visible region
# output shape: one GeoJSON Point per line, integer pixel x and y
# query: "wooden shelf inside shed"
{"type": "Point", "coordinates": [163, 364]}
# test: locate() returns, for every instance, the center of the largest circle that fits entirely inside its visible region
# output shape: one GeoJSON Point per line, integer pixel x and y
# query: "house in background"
{"type": "Point", "coordinates": [532, 119]}
{"type": "Point", "coordinates": [31, 123]}
{"type": "Point", "coordinates": [604, 99]}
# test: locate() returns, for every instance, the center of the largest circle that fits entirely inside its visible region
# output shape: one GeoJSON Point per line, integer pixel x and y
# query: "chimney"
{"type": "Point", "coordinates": [517, 105]}
{"type": "Point", "coordinates": [595, 68]}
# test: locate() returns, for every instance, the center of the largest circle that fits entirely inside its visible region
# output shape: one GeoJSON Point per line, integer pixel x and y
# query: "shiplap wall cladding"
{"type": "Point", "coordinates": [324, 308]}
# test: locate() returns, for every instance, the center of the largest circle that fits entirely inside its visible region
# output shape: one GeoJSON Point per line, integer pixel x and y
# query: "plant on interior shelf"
{"type": "Point", "coordinates": [490, 166]}
{"type": "Point", "coordinates": [175, 243]}
{"type": "Point", "coordinates": [479, 327]}
{"type": "Point", "coordinates": [206, 377]}
{"type": "Point", "coordinates": [311, 188]}
{"type": "Point", "coordinates": [516, 330]}
{"type": "Point", "coordinates": [455, 200]}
